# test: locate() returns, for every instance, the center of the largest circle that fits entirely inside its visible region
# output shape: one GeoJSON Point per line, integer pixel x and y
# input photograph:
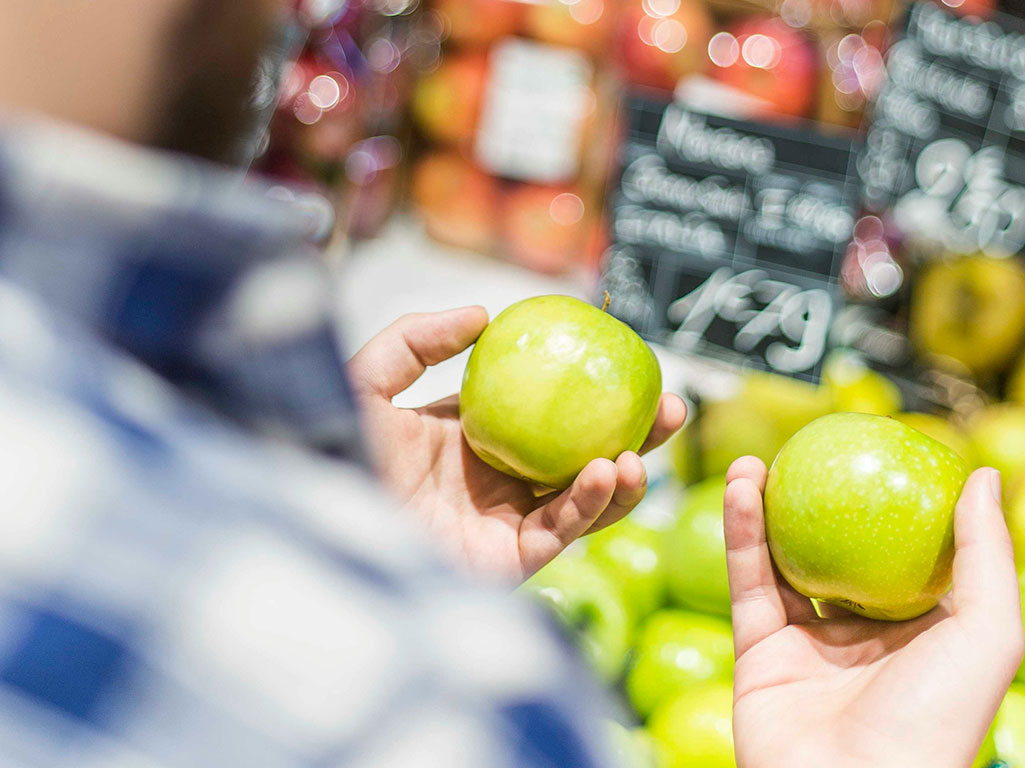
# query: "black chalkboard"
{"type": "Point", "coordinates": [728, 236]}
{"type": "Point", "coordinates": [945, 153]}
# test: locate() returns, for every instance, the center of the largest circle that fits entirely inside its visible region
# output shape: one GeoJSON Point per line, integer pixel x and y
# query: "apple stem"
{"type": "Point", "coordinates": [608, 300]}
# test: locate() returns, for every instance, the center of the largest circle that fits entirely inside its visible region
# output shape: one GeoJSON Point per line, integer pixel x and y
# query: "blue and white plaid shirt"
{"type": "Point", "coordinates": [175, 591]}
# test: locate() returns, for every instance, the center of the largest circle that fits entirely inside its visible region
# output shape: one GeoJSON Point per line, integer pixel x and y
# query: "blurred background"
{"type": "Point", "coordinates": [805, 205]}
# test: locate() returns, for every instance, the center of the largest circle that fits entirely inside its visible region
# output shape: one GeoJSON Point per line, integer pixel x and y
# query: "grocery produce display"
{"type": "Point", "coordinates": [882, 548]}
{"type": "Point", "coordinates": [800, 180]}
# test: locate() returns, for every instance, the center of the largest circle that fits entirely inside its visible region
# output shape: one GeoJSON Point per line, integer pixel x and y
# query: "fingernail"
{"type": "Point", "coordinates": [994, 484]}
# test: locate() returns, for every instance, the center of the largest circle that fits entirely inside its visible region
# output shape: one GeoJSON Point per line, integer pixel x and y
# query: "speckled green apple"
{"type": "Point", "coordinates": [553, 383]}
{"type": "Point", "coordinates": [676, 649]}
{"type": "Point", "coordinates": [859, 512]}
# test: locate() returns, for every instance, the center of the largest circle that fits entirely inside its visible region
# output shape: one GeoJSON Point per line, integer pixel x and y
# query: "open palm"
{"type": "Point", "coordinates": [848, 691]}
{"type": "Point", "coordinates": [484, 518]}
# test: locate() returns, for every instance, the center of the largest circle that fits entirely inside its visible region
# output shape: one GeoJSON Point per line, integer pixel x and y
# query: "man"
{"type": "Point", "coordinates": [182, 584]}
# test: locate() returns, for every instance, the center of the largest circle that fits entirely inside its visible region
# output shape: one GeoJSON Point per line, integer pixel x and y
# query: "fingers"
{"type": "Point", "coordinates": [985, 583]}
{"type": "Point", "coordinates": [397, 356]}
{"type": "Point", "coordinates": [758, 605]}
{"type": "Point", "coordinates": [631, 485]}
{"type": "Point", "coordinates": [750, 467]}
{"type": "Point", "coordinates": [671, 414]}
{"type": "Point", "coordinates": [548, 530]}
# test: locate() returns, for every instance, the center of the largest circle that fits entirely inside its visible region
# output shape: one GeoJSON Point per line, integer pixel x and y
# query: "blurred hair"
{"type": "Point", "coordinates": [211, 57]}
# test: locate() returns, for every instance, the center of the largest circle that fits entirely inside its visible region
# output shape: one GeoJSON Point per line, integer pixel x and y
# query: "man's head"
{"type": "Point", "coordinates": [170, 73]}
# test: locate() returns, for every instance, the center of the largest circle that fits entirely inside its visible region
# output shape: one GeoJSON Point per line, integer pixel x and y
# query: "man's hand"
{"type": "Point", "coordinates": [846, 691]}
{"type": "Point", "coordinates": [486, 519]}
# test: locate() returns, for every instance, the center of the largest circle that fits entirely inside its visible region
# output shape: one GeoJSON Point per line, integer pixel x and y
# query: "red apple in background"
{"type": "Point", "coordinates": [545, 228]}
{"type": "Point", "coordinates": [585, 24]}
{"type": "Point", "coordinates": [479, 23]}
{"type": "Point", "coordinates": [446, 102]}
{"type": "Point", "coordinates": [458, 203]}
{"type": "Point", "coordinates": [768, 59]}
{"type": "Point", "coordinates": [660, 41]}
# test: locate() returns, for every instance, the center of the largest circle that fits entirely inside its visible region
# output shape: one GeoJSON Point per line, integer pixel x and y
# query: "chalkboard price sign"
{"type": "Point", "coordinates": [946, 148]}
{"type": "Point", "coordinates": [728, 236]}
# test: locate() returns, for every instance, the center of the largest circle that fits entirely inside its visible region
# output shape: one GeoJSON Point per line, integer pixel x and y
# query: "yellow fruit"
{"type": "Point", "coordinates": [856, 388]}
{"type": "Point", "coordinates": [729, 429]}
{"type": "Point", "coordinates": [971, 310]}
{"type": "Point", "coordinates": [996, 436]}
{"type": "Point", "coordinates": [789, 403]}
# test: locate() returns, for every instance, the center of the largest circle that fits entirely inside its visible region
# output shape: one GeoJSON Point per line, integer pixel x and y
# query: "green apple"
{"type": "Point", "coordinates": [553, 383]}
{"type": "Point", "coordinates": [856, 388]}
{"type": "Point", "coordinates": [630, 747]}
{"type": "Point", "coordinates": [996, 438]}
{"type": "Point", "coordinates": [591, 606]}
{"type": "Point", "coordinates": [632, 554]}
{"type": "Point", "coordinates": [1009, 727]}
{"type": "Point", "coordinates": [859, 512]}
{"type": "Point", "coordinates": [971, 310]}
{"type": "Point", "coordinates": [676, 649]}
{"type": "Point", "coordinates": [937, 428]}
{"type": "Point", "coordinates": [696, 550]}
{"type": "Point", "coordinates": [729, 429]}
{"type": "Point", "coordinates": [695, 727]}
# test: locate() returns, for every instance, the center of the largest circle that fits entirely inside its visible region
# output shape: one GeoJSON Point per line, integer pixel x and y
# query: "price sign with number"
{"type": "Point", "coordinates": [728, 236]}
{"type": "Point", "coordinates": [946, 150]}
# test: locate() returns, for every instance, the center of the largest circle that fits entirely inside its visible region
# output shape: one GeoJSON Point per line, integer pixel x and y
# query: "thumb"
{"type": "Point", "coordinates": [396, 357]}
{"type": "Point", "coordinates": [985, 581]}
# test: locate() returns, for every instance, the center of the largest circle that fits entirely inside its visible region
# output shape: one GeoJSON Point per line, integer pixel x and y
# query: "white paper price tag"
{"type": "Point", "coordinates": [537, 100]}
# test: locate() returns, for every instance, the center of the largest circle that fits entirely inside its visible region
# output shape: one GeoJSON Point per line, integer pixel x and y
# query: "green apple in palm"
{"type": "Point", "coordinates": [695, 727]}
{"type": "Point", "coordinates": [1009, 727]}
{"type": "Point", "coordinates": [591, 606]}
{"type": "Point", "coordinates": [676, 649]}
{"type": "Point", "coordinates": [632, 554]}
{"type": "Point", "coordinates": [996, 436]}
{"type": "Point", "coordinates": [696, 550]}
{"type": "Point", "coordinates": [859, 512]}
{"type": "Point", "coordinates": [553, 383]}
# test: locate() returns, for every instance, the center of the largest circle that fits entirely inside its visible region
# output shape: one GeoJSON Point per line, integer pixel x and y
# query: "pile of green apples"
{"type": "Point", "coordinates": [649, 608]}
{"type": "Point", "coordinates": [647, 599]}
